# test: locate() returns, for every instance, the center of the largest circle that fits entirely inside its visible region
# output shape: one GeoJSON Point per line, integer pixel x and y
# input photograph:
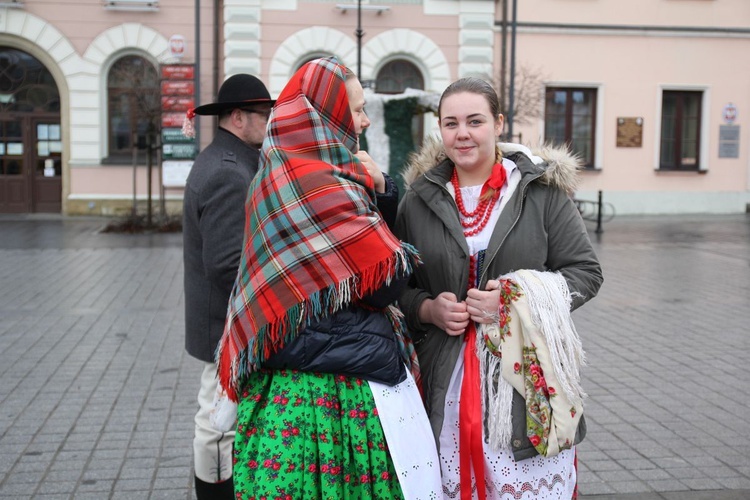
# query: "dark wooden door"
{"type": "Point", "coordinates": [46, 159]}
{"type": "Point", "coordinates": [14, 168]}
{"type": "Point", "coordinates": [29, 135]}
{"type": "Point", "coordinates": [30, 164]}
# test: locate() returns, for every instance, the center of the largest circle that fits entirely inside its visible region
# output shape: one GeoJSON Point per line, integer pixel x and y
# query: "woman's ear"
{"type": "Point", "coordinates": [499, 125]}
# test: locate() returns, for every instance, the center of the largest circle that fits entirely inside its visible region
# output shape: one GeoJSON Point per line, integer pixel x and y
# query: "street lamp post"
{"type": "Point", "coordinates": [379, 9]}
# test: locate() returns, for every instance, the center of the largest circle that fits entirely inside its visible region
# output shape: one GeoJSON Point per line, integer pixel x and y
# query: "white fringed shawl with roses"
{"type": "Point", "coordinates": [536, 349]}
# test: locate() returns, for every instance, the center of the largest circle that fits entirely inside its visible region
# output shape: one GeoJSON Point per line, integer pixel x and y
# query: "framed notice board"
{"type": "Point", "coordinates": [629, 132]}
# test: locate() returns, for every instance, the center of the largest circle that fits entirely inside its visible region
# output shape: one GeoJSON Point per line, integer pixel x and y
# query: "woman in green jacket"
{"type": "Point", "coordinates": [475, 213]}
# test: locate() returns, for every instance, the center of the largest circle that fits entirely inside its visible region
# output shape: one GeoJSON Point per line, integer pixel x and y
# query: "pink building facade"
{"type": "Point", "coordinates": [666, 91]}
{"type": "Point", "coordinates": [652, 93]}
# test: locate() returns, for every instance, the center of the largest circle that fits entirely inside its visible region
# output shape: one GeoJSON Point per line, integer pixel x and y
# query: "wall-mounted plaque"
{"type": "Point", "coordinates": [177, 72]}
{"type": "Point", "coordinates": [629, 132]}
{"type": "Point", "coordinates": [729, 141]}
{"type": "Point", "coordinates": [176, 103]}
{"type": "Point", "coordinates": [175, 173]}
{"type": "Point", "coordinates": [178, 87]}
{"type": "Point", "coordinates": [173, 151]}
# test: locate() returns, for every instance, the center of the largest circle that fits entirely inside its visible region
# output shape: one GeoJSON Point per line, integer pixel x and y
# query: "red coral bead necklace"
{"type": "Point", "coordinates": [475, 221]}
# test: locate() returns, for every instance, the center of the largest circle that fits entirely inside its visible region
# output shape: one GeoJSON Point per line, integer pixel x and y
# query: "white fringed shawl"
{"type": "Point", "coordinates": [535, 331]}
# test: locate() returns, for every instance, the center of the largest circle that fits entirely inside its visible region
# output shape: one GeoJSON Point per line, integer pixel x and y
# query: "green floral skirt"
{"type": "Point", "coordinates": [310, 436]}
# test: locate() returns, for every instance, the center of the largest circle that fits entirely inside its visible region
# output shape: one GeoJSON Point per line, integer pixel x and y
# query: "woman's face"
{"type": "Point", "coordinates": [357, 105]}
{"type": "Point", "coordinates": [469, 131]}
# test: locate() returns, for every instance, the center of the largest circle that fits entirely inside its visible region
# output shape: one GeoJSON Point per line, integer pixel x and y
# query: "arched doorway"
{"type": "Point", "coordinates": [403, 121]}
{"type": "Point", "coordinates": [30, 135]}
{"type": "Point", "coordinates": [395, 77]}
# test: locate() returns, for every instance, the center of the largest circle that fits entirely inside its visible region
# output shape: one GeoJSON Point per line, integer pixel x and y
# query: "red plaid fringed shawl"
{"type": "Point", "coordinates": [314, 241]}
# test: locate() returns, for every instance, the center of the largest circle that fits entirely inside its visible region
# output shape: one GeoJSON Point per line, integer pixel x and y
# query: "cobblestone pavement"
{"type": "Point", "coordinates": [97, 394]}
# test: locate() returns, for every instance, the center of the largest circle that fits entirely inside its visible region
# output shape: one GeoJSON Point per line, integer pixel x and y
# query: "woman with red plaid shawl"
{"type": "Point", "coordinates": [314, 352]}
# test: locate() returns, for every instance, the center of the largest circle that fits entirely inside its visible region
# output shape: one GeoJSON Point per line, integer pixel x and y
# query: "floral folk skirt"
{"type": "Point", "coordinates": [304, 435]}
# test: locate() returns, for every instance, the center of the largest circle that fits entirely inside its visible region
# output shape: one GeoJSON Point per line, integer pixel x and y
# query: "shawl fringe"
{"type": "Point", "coordinates": [497, 395]}
{"type": "Point", "coordinates": [547, 298]}
{"type": "Point", "coordinates": [273, 336]}
{"type": "Point", "coordinates": [549, 301]}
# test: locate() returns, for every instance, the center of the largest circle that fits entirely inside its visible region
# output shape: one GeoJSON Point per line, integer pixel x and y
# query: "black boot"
{"type": "Point", "coordinates": [214, 491]}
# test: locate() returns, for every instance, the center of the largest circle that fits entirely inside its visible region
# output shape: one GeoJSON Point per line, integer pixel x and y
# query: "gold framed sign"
{"type": "Point", "coordinates": [629, 132]}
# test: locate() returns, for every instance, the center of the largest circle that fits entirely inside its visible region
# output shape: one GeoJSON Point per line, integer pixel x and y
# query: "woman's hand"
{"type": "Point", "coordinates": [445, 312]}
{"type": "Point", "coordinates": [483, 305]}
{"type": "Point", "coordinates": [373, 170]}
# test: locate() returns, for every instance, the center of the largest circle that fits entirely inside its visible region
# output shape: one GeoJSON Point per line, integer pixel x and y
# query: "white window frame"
{"type": "Point", "coordinates": [598, 130]}
{"type": "Point", "coordinates": [705, 119]}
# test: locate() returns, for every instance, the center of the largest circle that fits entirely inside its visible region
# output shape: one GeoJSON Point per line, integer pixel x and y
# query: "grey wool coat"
{"type": "Point", "coordinates": [539, 228]}
{"type": "Point", "coordinates": [213, 228]}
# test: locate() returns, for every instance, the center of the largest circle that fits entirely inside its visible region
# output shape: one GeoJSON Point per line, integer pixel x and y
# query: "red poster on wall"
{"type": "Point", "coordinates": [177, 72]}
{"type": "Point", "coordinates": [172, 119]}
{"type": "Point", "coordinates": [177, 97]}
{"type": "Point", "coordinates": [178, 88]}
{"type": "Point", "coordinates": [176, 103]}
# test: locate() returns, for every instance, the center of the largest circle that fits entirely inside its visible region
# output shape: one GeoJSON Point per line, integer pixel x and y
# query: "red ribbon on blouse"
{"type": "Point", "coordinates": [471, 449]}
{"type": "Point", "coordinates": [496, 180]}
{"type": "Point", "coordinates": [471, 444]}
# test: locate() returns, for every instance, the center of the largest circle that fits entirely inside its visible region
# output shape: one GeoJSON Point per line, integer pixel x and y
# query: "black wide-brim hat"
{"type": "Point", "coordinates": [237, 91]}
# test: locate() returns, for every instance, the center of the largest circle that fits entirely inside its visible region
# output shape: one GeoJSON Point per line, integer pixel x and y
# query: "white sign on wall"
{"type": "Point", "coordinates": [729, 141]}
{"type": "Point", "coordinates": [174, 173]}
{"type": "Point", "coordinates": [729, 113]}
{"type": "Point", "coordinates": [177, 46]}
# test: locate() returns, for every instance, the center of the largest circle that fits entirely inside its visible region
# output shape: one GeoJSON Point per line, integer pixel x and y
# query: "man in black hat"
{"type": "Point", "coordinates": [213, 228]}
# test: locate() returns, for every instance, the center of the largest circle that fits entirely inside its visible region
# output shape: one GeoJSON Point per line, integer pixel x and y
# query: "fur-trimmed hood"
{"type": "Point", "coordinates": [561, 169]}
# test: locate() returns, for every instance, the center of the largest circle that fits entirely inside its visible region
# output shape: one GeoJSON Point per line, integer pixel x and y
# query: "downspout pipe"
{"type": "Point", "coordinates": [511, 91]}
{"type": "Point", "coordinates": [217, 23]}
{"type": "Point", "coordinates": [198, 69]}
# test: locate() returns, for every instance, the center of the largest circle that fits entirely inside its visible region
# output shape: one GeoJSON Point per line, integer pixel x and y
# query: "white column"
{"type": "Point", "coordinates": [476, 37]}
{"type": "Point", "coordinates": [242, 37]}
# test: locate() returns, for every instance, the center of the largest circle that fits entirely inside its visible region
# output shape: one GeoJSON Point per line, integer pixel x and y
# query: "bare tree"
{"type": "Point", "coordinates": [529, 95]}
{"type": "Point", "coordinates": [529, 98]}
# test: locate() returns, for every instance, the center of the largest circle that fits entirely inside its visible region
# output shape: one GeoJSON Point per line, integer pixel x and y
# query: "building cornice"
{"type": "Point", "coordinates": [630, 30]}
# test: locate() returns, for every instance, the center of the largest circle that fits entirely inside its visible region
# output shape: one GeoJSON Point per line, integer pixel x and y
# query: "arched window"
{"type": "Point", "coordinates": [31, 142]}
{"type": "Point", "coordinates": [25, 84]}
{"type": "Point", "coordinates": [396, 76]}
{"type": "Point", "coordinates": [133, 105]}
{"type": "Point", "coordinates": [310, 57]}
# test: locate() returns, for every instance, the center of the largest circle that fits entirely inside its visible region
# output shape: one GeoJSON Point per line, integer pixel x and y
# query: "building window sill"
{"type": "Point", "coordinates": [680, 170]}
{"type": "Point", "coordinates": [125, 160]}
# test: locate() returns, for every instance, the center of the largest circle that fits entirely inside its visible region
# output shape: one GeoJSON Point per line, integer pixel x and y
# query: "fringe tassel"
{"type": "Point", "coordinates": [188, 128]}
{"type": "Point", "coordinates": [272, 337]}
{"type": "Point", "coordinates": [549, 301]}
{"type": "Point", "coordinates": [497, 396]}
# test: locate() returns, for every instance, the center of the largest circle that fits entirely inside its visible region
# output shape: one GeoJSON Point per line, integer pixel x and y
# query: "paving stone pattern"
{"type": "Point", "coordinates": [98, 395]}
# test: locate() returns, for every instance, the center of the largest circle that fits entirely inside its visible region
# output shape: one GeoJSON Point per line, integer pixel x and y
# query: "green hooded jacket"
{"type": "Point", "coordinates": [540, 228]}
